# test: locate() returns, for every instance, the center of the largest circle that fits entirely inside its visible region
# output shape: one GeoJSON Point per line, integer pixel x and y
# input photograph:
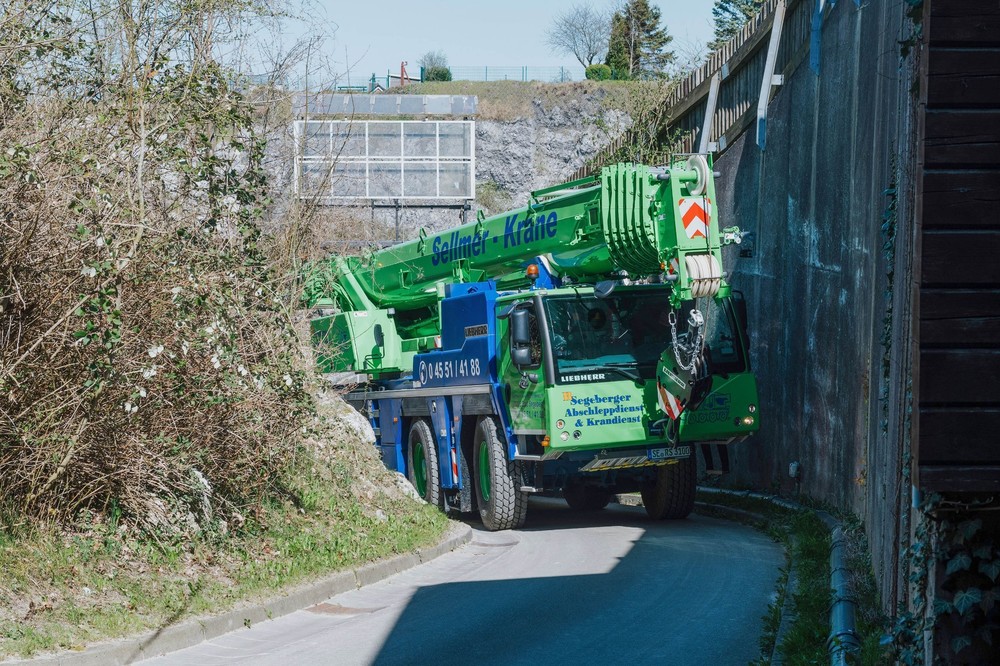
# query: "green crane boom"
{"type": "Point", "coordinates": [630, 220]}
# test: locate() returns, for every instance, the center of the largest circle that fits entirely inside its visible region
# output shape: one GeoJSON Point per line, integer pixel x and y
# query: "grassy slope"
{"type": "Point", "coordinates": [64, 588]}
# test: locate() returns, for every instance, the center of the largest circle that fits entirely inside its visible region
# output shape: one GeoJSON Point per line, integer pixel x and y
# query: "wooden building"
{"type": "Point", "coordinates": [957, 258]}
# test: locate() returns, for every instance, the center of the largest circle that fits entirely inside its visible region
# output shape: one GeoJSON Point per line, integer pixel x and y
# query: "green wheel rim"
{"type": "Point", "coordinates": [484, 471]}
{"type": "Point", "coordinates": [420, 469]}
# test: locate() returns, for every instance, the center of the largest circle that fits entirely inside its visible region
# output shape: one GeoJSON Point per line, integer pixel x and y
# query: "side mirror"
{"type": "Point", "coordinates": [520, 357]}
{"type": "Point", "coordinates": [520, 338]}
{"type": "Point", "coordinates": [520, 328]}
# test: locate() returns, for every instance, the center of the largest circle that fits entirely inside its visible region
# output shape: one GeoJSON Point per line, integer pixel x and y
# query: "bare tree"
{"type": "Point", "coordinates": [689, 56]}
{"type": "Point", "coordinates": [582, 31]}
{"type": "Point", "coordinates": [433, 59]}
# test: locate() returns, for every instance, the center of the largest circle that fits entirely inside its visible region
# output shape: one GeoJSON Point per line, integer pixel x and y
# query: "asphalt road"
{"type": "Point", "coordinates": [601, 588]}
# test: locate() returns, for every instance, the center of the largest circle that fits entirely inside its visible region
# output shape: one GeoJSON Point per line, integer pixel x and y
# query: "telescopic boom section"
{"type": "Point", "coordinates": [631, 220]}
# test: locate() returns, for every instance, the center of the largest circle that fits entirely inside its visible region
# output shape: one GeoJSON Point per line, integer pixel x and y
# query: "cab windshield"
{"type": "Point", "coordinates": [625, 334]}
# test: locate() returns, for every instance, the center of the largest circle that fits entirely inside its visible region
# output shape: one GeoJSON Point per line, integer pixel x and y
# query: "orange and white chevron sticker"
{"type": "Point", "coordinates": [667, 402]}
{"type": "Point", "coordinates": [696, 214]}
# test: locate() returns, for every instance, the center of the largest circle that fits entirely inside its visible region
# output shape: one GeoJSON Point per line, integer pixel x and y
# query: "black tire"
{"type": "Point", "coordinates": [422, 462]}
{"type": "Point", "coordinates": [502, 506]}
{"type": "Point", "coordinates": [672, 496]}
{"type": "Point", "coordinates": [586, 498]}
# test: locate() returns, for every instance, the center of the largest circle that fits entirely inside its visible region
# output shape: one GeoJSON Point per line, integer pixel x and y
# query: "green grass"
{"type": "Point", "coordinates": [807, 547]}
{"type": "Point", "coordinates": [805, 640]}
{"type": "Point", "coordinates": [507, 100]}
{"type": "Point", "coordinates": [62, 589]}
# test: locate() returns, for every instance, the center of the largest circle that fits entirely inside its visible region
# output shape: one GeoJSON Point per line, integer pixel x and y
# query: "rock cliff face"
{"type": "Point", "coordinates": [546, 147]}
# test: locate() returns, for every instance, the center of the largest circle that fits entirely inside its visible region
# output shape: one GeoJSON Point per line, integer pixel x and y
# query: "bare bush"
{"type": "Point", "coordinates": [147, 358]}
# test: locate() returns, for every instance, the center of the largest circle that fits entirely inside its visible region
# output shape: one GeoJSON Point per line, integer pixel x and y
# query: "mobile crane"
{"type": "Point", "coordinates": [581, 345]}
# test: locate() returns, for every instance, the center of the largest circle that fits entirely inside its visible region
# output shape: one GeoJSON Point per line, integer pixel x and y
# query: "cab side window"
{"type": "Point", "coordinates": [536, 338]}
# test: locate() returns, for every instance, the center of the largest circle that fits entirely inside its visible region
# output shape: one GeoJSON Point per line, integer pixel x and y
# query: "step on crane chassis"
{"type": "Point", "coordinates": [582, 345]}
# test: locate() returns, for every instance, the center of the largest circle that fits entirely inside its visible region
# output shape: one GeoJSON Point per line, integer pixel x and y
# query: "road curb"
{"type": "Point", "coordinates": [193, 631]}
{"type": "Point", "coordinates": [728, 512]}
{"type": "Point", "coordinates": [787, 614]}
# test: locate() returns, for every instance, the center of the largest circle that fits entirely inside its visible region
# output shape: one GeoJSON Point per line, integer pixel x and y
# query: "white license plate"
{"type": "Point", "coordinates": [669, 454]}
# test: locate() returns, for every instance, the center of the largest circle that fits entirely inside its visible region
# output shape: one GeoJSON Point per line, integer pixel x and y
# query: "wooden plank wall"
{"type": "Point", "coordinates": [959, 290]}
{"type": "Point", "coordinates": [740, 89]}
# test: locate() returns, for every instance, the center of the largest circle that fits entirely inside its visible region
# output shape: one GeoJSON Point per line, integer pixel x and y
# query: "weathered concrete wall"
{"type": "Point", "coordinates": [818, 288]}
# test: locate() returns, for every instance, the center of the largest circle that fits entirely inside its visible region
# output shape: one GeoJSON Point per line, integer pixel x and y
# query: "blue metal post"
{"type": "Point", "coordinates": [815, 41]}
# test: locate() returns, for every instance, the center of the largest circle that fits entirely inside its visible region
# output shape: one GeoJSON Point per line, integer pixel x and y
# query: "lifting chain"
{"type": "Point", "coordinates": [695, 339]}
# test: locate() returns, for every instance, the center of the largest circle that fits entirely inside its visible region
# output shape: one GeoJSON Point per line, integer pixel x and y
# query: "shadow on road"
{"type": "Point", "coordinates": [681, 593]}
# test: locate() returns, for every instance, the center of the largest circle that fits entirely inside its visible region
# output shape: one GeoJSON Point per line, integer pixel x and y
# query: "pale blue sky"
{"type": "Point", "coordinates": [378, 34]}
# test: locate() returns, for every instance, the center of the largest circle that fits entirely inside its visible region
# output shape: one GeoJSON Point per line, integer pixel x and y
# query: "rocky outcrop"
{"type": "Point", "coordinates": [545, 147]}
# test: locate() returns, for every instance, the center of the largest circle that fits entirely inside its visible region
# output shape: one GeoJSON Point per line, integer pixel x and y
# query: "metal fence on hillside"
{"type": "Point", "coordinates": [517, 73]}
{"type": "Point", "coordinates": [560, 74]}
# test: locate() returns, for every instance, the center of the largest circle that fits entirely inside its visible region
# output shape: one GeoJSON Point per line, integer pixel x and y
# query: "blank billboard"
{"type": "Point", "coordinates": [385, 159]}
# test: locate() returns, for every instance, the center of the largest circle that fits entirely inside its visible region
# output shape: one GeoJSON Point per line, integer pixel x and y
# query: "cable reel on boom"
{"type": "Point", "coordinates": [699, 164]}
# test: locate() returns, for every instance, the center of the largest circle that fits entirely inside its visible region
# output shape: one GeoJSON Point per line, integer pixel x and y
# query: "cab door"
{"type": "Point", "coordinates": [522, 374]}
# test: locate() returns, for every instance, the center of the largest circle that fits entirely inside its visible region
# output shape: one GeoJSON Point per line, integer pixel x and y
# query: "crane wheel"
{"type": "Point", "coordinates": [502, 506]}
{"type": "Point", "coordinates": [672, 494]}
{"type": "Point", "coordinates": [422, 463]}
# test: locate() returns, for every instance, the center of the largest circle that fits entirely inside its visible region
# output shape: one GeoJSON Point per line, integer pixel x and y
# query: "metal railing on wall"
{"type": "Point", "coordinates": [737, 70]}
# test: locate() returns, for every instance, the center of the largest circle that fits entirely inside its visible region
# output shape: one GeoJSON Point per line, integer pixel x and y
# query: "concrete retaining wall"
{"type": "Point", "coordinates": [818, 284]}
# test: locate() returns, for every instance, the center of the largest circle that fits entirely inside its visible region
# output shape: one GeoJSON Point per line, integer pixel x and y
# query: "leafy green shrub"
{"type": "Point", "coordinates": [599, 72]}
{"type": "Point", "coordinates": [147, 356]}
{"type": "Point", "coordinates": [437, 74]}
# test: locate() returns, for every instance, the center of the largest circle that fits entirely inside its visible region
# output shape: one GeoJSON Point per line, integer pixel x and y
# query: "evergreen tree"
{"type": "Point", "coordinates": [638, 44]}
{"type": "Point", "coordinates": [730, 16]}
{"type": "Point", "coordinates": [618, 58]}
